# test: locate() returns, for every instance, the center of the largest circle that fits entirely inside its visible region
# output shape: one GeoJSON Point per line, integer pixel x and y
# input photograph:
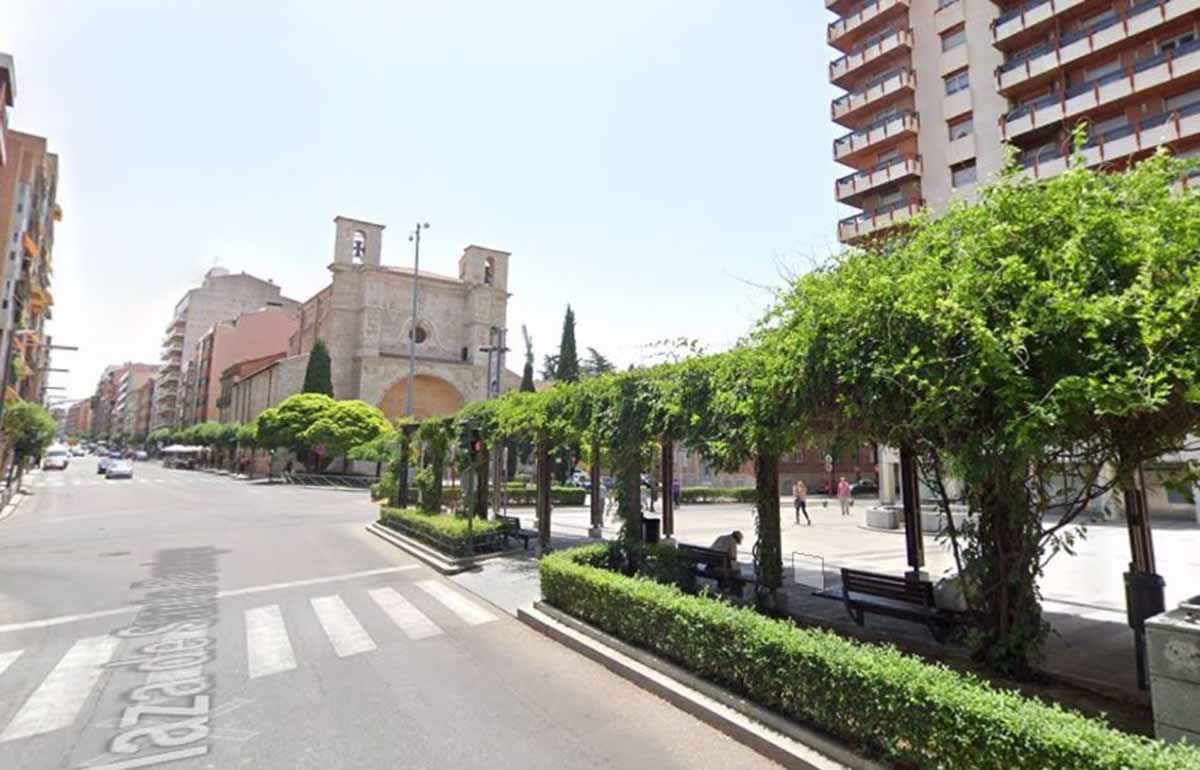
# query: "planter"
{"type": "Point", "coordinates": [883, 517]}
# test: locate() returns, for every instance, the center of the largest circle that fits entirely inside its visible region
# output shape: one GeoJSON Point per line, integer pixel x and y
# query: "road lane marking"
{"type": "Point", "coordinates": [268, 650]}
{"type": "Point", "coordinates": [412, 621]}
{"type": "Point", "coordinates": [312, 581]}
{"type": "Point", "coordinates": [467, 611]}
{"type": "Point", "coordinates": [345, 633]}
{"type": "Point", "coordinates": [62, 619]}
{"type": "Point", "coordinates": [7, 658]}
{"type": "Point", "coordinates": [58, 699]}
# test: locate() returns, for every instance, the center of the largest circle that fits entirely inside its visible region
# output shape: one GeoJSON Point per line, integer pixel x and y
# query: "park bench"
{"type": "Point", "coordinates": [511, 528]}
{"type": "Point", "coordinates": [897, 597]}
{"type": "Point", "coordinates": [715, 565]}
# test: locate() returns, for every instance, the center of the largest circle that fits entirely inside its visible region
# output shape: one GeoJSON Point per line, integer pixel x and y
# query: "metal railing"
{"type": "Point", "coordinates": [328, 480]}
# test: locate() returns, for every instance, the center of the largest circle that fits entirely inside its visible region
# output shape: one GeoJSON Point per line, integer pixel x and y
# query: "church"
{"type": "Point", "coordinates": [365, 318]}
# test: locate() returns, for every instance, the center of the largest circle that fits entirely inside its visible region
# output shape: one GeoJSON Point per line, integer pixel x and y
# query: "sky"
{"type": "Point", "coordinates": [659, 165]}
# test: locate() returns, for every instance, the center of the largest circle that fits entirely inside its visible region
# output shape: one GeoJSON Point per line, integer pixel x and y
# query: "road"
{"type": "Point", "coordinates": [191, 621]}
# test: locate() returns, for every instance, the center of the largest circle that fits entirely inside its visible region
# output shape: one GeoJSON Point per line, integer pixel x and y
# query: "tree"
{"type": "Point", "coordinates": [596, 364]}
{"type": "Point", "coordinates": [29, 429]}
{"type": "Point", "coordinates": [318, 377]}
{"type": "Point", "coordinates": [283, 426]}
{"type": "Point", "coordinates": [1008, 342]}
{"type": "Point", "coordinates": [247, 435]}
{"type": "Point", "coordinates": [567, 368]}
{"type": "Point", "coordinates": [344, 426]}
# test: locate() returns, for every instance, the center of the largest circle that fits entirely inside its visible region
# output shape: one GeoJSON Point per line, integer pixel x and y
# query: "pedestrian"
{"type": "Point", "coordinates": [843, 494]}
{"type": "Point", "coordinates": [800, 493]}
{"type": "Point", "coordinates": [676, 492]}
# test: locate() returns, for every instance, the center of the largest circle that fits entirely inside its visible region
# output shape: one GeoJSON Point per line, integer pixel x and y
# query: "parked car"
{"type": "Point", "coordinates": [102, 466]}
{"type": "Point", "coordinates": [119, 469]}
{"type": "Point", "coordinates": [56, 459]}
{"type": "Point", "coordinates": [864, 488]}
{"type": "Point", "coordinates": [141, 456]}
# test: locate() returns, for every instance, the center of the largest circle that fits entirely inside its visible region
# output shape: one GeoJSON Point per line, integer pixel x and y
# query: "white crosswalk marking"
{"type": "Point", "coordinates": [467, 611]}
{"type": "Point", "coordinates": [7, 658]}
{"type": "Point", "coordinates": [343, 629]}
{"type": "Point", "coordinates": [412, 621]}
{"type": "Point", "coordinates": [57, 700]}
{"type": "Point", "coordinates": [268, 650]}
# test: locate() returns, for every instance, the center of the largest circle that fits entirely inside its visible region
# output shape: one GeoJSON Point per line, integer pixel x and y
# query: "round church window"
{"type": "Point", "coordinates": [421, 334]}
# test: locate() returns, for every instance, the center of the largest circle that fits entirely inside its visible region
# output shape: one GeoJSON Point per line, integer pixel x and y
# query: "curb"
{"type": "Point", "coordinates": [433, 558]}
{"type": "Point", "coordinates": [13, 504]}
{"type": "Point", "coordinates": [780, 740]}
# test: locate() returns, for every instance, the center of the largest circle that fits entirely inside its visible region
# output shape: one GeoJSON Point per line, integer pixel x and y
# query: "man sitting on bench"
{"type": "Point", "coordinates": [728, 544]}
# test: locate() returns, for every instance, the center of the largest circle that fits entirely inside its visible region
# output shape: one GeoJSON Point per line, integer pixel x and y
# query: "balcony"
{"type": "Point", "coordinates": [876, 136]}
{"type": "Point", "coordinates": [1146, 75]}
{"type": "Point", "coordinates": [852, 186]}
{"type": "Point", "coordinates": [1048, 59]}
{"type": "Point", "coordinates": [844, 33]}
{"type": "Point", "coordinates": [870, 224]}
{"type": "Point", "coordinates": [1010, 26]}
{"type": "Point", "coordinates": [891, 85]}
{"type": "Point", "coordinates": [843, 69]}
{"type": "Point", "coordinates": [1121, 143]}
{"type": "Point", "coordinates": [175, 322]}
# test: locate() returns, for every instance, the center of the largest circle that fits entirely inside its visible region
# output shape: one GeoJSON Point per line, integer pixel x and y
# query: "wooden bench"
{"type": "Point", "coordinates": [510, 526]}
{"type": "Point", "coordinates": [897, 597]}
{"type": "Point", "coordinates": [715, 565]}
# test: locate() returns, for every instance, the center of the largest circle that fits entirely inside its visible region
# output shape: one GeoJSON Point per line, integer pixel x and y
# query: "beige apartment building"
{"type": "Point", "coordinates": [935, 89]}
{"type": "Point", "coordinates": [221, 297]}
{"type": "Point", "coordinates": [130, 381]}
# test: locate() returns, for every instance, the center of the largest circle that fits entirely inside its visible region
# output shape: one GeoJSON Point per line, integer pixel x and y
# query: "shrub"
{"type": "Point", "coordinates": [448, 533]}
{"type": "Point", "coordinates": [520, 495]}
{"type": "Point", "coordinates": [717, 494]}
{"type": "Point", "coordinates": [877, 699]}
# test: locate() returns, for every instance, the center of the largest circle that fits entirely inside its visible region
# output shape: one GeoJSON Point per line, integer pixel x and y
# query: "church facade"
{"type": "Point", "coordinates": [365, 318]}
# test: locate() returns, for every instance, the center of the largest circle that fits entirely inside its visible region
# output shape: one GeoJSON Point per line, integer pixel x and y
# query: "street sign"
{"type": "Point", "coordinates": [829, 467]}
{"type": "Point", "coordinates": [829, 459]}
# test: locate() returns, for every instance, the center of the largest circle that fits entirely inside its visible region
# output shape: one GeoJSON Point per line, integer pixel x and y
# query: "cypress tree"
{"type": "Point", "coordinates": [317, 377]}
{"type": "Point", "coordinates": [568, 357]}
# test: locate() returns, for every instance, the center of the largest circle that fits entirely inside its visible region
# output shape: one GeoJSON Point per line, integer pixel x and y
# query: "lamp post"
{"type": "Point", "coordinates": [415, 237]}
{"type": "Point", "coordinates": [496, 350]}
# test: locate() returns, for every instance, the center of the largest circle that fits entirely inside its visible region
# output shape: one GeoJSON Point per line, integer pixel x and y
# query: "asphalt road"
{"type": "Point", "coordinates": [191, 621]}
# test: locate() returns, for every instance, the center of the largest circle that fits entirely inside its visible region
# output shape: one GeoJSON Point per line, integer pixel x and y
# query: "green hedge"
{"type": "Point", "coordinates": [883, 702]}
{"type": "Point", "coordinates": [716, 495]}
{"type": "Point", "coordinates": [519, 495]}
{"type": "Point", "coordinates": [448, 533]}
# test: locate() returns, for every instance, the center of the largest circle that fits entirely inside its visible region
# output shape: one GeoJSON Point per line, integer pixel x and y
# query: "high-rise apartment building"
{"type": "Point", "coordinates": [8, 90]}
{"type": "Point", "coordinates": [130, 380]}
{"type": "Point", "coordinates": [935, 89]}
{"type": "Point", "coordinates": [222, 296]}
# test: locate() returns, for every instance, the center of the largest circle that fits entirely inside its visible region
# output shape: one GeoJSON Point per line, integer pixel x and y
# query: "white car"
{"type": "Point", "coordinates": [119, 469]}
{"type": "Point", "coordinates": [56, 459]}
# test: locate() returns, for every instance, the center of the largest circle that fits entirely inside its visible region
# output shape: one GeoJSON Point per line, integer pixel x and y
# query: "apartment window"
{"type": "Point", "coordinates": [957, 81]}
{"type": "Point", "coordinates": [1171, 43]}
{"type": "Point", "coordinates": [944, 3]}
{"type": "Point", "coordinates": [953, 38]}
{"type": "Point", "coordinates": [962, 174]}
{"type": "Point", "coordinates": [890, 200]}
{"type": "Point", "coordinates": [1183, 100]}
{"type": "Point", "coordinates": [964, 126]}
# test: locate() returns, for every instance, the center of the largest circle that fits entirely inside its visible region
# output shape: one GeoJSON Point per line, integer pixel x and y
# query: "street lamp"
{"type": "Point", "coordinates": [415, 237]}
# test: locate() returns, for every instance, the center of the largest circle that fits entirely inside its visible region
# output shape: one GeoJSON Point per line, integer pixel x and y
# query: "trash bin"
{"type": "Point", "coordinates": [651, 529]}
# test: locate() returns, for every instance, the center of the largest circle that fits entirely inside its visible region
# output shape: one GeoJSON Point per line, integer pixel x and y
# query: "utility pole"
{"type": "Point", "coordinates": [415, 237]}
